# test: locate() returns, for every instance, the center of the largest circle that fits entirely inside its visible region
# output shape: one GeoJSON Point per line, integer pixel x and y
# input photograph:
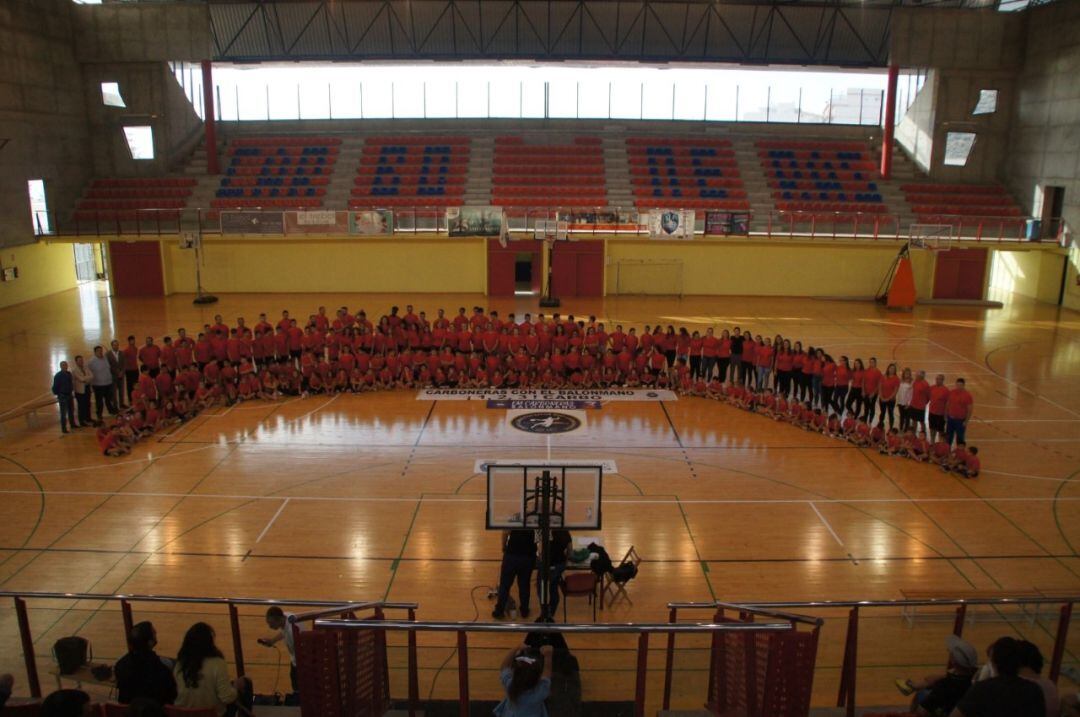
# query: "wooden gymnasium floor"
{"type": "Point", "coordinates": [374, 496]}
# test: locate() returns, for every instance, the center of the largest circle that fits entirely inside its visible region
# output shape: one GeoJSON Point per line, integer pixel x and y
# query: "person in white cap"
{"type": "Point", "coordinates": [939, 694]}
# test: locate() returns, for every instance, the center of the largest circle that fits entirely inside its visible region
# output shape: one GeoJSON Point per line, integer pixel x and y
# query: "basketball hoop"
{"type": "Point", "coordinates": [931, 237]}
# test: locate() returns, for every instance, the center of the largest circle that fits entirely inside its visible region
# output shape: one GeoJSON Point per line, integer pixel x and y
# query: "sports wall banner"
{"type": "Point", "coordinates": [671, 224]}
{"type": "Point", "coordinates": [252, 222]}
{"type": "Point", "coordinates": [474, 221]}
{"type": "Point", "coordinates": [379, 221]}
{"type": "Point", "coordinates": [584, 396]}
{"type": "Point", "coordinates": [727, 223]}
{"type": "Point", "coordinates": [316, 222]}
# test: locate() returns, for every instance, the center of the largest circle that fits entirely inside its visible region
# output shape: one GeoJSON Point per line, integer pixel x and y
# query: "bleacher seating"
{"type": "Point", "coordinates": [411, 171]}
{"type": "Point", "coordinates": [964, 204]}
{"type": "Point", "coordinates": [548, 175]}
{"type": "Point", "coordinates": [278, 172]}
{"type": "Point", "coordinates": [820, 180]}
{"type": "Point", "coordinates": [120, 200]}
{"type": "Point", "coordinates": [685, 173]}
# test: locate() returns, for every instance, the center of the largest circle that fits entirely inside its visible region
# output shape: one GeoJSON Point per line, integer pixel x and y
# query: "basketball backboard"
{"type": "Point", "coordinates": [513, 499]}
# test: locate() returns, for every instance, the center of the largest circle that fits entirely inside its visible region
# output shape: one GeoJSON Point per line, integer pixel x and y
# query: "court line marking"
{"type": "Point", "coordinates": [827, 525]}
{"type": "Point", "coordinates": [1025, 475]}
{"type": "Point", "coordinates": [1012, 383]}
{"type": "Point", "coordinates": [272, 521]}
{"type": "Point", "coordinates": [629, 501]}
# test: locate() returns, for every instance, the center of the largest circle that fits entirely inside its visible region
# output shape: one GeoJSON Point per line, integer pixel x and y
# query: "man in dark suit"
{"type": "Point", "coordinates": [116, 365]}
{"type": "Point", "coordinates": [63, 388]}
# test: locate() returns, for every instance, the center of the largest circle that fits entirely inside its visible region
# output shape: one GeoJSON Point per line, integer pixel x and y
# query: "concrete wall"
{"type": "Point", "coordinates": [1045, 139]}
{"type": "Point", "coordinates": [984, 40]}
{"type": "Point", "coordinates": [1036, 274]}
{"type": "Point", "coordinates": [42, 112]}
{"type": "Point", "coordinates": [915, 133]}
{"type": "Point", "coordinates": [153, 97]}
{"type": "Point", "coordinates": [139, 32]}
{"type": "Point", "coordinates": [957, 92]}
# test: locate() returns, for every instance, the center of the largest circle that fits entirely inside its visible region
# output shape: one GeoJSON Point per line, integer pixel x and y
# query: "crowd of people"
{"type": "Point", "coordinates": [1010, 684]}
{"type": "Point", "coordinates": [198, 678]}
{"type": "Point", "coordinates": [149, 386]}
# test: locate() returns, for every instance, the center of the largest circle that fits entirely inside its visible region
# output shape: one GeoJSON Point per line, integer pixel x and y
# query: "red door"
{"type": "Point", "coordinates": [578, 269]}
{"type": "Point", "coordinates": [502, 265]}
{"type": "Point", "coordinates": [136, 268]}
{"type": "Point", "coordinates": [959, 274]}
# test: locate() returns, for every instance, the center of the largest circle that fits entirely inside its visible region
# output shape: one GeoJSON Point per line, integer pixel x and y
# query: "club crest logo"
{"type": "Point", "coordinates": [669, 222]}
{"type": "Point", "coordinates": [546, 422]}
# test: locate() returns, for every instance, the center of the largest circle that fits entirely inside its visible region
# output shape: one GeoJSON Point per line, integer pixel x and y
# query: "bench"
{"type": "Point", "coordinates": [908, 612]}
{"type": "Point", "coordinates": [28, 410]}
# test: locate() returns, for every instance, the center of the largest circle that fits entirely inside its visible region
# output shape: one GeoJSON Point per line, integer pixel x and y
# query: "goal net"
{"type": "Point", "coordinates": [656, 277]}
{"type": "Point", "coordinates": [931, 236]}
{"type": "Point", "coordinates": [550, 230]}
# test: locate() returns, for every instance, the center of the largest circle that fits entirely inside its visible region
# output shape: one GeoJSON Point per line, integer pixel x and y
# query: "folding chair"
{"type": "Point", "coordinates": [579, 584]}
{"type": "Point", "coordinates": [617, 588]}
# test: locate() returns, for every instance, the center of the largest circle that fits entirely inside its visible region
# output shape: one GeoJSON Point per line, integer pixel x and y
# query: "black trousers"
{"type": "Point", "coordinates": [854, 402]}
{"type": "Point", "coordinates": [722, 365]}
{"type": "Point", "coordinates": [695, 366]}
{"type": "Point", "coordinates": [868, 408]}
{"type": "Point", "coordinates": [131, 378]}
{"type": "Point", "coordinates": [105, 395]}
{"type": "Point", "coordinates": [82, 403]}
{"type": "Point", "coordinates": [839, 398]}
{"type": "Point", "coordinates": [826, 398]}
{"type": "Point", "coordinates": [519, 568]}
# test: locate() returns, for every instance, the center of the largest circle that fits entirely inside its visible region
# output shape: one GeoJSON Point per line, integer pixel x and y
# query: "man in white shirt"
{"type": "Point", "coordinates": [81, 379]}
{"type": "Point", "coordinates": [278, 620]}
{"type": "Point", "coordinates": [102, 382]}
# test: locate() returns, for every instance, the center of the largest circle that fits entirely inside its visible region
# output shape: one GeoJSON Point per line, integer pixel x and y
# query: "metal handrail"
{"type": "Point", "coordinates": [926, 602]}
{"type": "Point", "coordinates": [848, 670]}
{"type": "Point", "coordinates": [603, 628]}
{"type": "Point", "coordinates": [339, 608]}
{"type": "Point", "coordinates": [201, 600]}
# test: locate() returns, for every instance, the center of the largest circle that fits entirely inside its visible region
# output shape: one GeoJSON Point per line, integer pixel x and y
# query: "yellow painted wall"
{"type": "Point", "coordinates": [1072, 280]}
{"type": "Point", "coordinates": [1034, 273]}
{"type": "Point", "coordinates": [248, 264]}
{"type": "Point", "coordinates": [43, 269]}
{"type": "Point", "coordinates": [759, 267]}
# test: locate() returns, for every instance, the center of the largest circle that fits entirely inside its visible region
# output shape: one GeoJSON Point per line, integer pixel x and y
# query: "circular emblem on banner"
{"type": "Point", "coordinates": [546, 422]}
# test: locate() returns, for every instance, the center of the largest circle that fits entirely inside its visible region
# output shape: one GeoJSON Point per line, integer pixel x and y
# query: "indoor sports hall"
{"type": "Point", "coordinates": [587, 357]}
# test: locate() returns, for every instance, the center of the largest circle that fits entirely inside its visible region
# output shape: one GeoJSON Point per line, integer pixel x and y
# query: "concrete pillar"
{"type": "Point", "coordinates": [209, 120]}
{"type": "Point", "coordinates": [890, 122]}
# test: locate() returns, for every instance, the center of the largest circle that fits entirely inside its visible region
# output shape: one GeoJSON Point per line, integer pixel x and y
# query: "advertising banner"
{"type": "Point", "coordinates": [375, 221]}
{"type": "Point", "coordinates": [474, 221]}
{"type": "Point", "coordinates": [252, 223]}
{"type": "Point", "coordinates": [671, 224]}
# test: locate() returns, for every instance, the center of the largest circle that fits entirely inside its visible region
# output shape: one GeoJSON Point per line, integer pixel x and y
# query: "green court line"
{"type": "Point", "coordinates": [394, 565]}
{"type": "Point", "coordinates": [41, 507]}
{"type": "Point", "coordinates": [690, 533]}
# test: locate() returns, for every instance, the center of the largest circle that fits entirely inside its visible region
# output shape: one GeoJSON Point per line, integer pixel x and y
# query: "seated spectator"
{"type": "Point", "coordinates": [938, 694]}
{"type": "Point", "coordinates": [141, 673]}
{"type": "Point", "coordinates": [202, 677]}
{"type": "Point", "coordinates": [1007, 694]}
{"type": "Point", "coordinates": [526, 677]}
{"type": "Point", "coordinates": [1031, 665]}
{"type": "Point", "coordinates": [7, 684]}
{"type": "Point", "coordinates": [145, 708]}
{"type": "Point", "coordinates": [67, 703]}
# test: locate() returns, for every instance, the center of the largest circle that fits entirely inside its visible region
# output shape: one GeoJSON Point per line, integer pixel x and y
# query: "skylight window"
{"type": "Point", "coordinates": [987, 103]}
{"type": "Point", "coordinates": [140, 140]}
{"type": "Point", "coordinates": [110, 94]}
{"type": "Point", "coordinates": [957, 148]}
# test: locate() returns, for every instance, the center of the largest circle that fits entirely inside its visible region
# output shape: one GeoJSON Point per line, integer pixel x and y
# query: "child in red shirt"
{"type": "Point", "coordinates": [971, 465]}
{"type": "Point", "coordinates": [891, 445]}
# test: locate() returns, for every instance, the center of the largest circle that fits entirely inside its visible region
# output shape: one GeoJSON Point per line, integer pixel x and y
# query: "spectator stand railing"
{"type": "Point", "coordinates": [524, 222]}
{"type": "Point", "coordinates": [846, 696]}
{"type": "Point", "coordinates": [777, 624]}
{"type": "Point", "coordinates": [126, 603]}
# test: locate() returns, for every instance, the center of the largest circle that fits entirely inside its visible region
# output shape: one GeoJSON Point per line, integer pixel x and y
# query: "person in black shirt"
{"type": "Point", "coordinates": [559, 552]}
{"type": "Point", "coordinates": [63, 387]}
{"type": "Point", "coordinates": [1008, 694]}
{"type": "Point", "coordinates": [141, 673]}
{"type": "Point", "coordinates": [938, 695]}
{"type": "Point", "coordinates": [519, 559]}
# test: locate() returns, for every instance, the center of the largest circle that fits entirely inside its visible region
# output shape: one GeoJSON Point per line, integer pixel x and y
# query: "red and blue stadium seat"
{"type": "Point", "coordinates": [411, 171]}
{"type": "Point", "coordinates": [821, 180]}
{"type": "Point", "coordinates": [528, 175]}
{"type": "Point", "coordinates": [685, 173]}
{"type": "Point", "coordinates": [128, 199]}
{"type": "Point", "coordinates": [964, 204]}
{"type": "Point", "coordinates": [278, 172]}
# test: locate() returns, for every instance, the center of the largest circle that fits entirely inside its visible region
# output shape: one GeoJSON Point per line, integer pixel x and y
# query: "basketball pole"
{"type": "Point", "coordinates": [200, 297]}
{"type": "Point", "coordinates": [547, 299]}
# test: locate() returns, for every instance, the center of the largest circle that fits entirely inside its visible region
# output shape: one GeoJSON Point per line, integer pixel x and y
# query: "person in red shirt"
{"type": "Point", "coordinates": [710, 346]}
{"type": "Point", "coordinates": [938, 397]}
{"type": "Point", "coordinates": [840, 390]}
{"type": "Point", "coordinates": [150, 356]}
{"type": "Point", "coordinates": [828, 383]}
{"type": "Point", "coordinates": [870, 389]}
{"type": "Point", "coordinates": [130, 355]}
{"type": "Point", "coordinates": [147, 384]}
{"type": "Point", "coordinates": [958, 409]}
{"type": "Point", "coordinates": [970, 467]}
{"type": "Point", "coordinates": [920, 399]}
{"type": "Point", "coordinates": [763, 361]}
{"type": "Point", "coordinates": [296, 340]}
{"type": "Point", "coordinates": [887, 388]}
